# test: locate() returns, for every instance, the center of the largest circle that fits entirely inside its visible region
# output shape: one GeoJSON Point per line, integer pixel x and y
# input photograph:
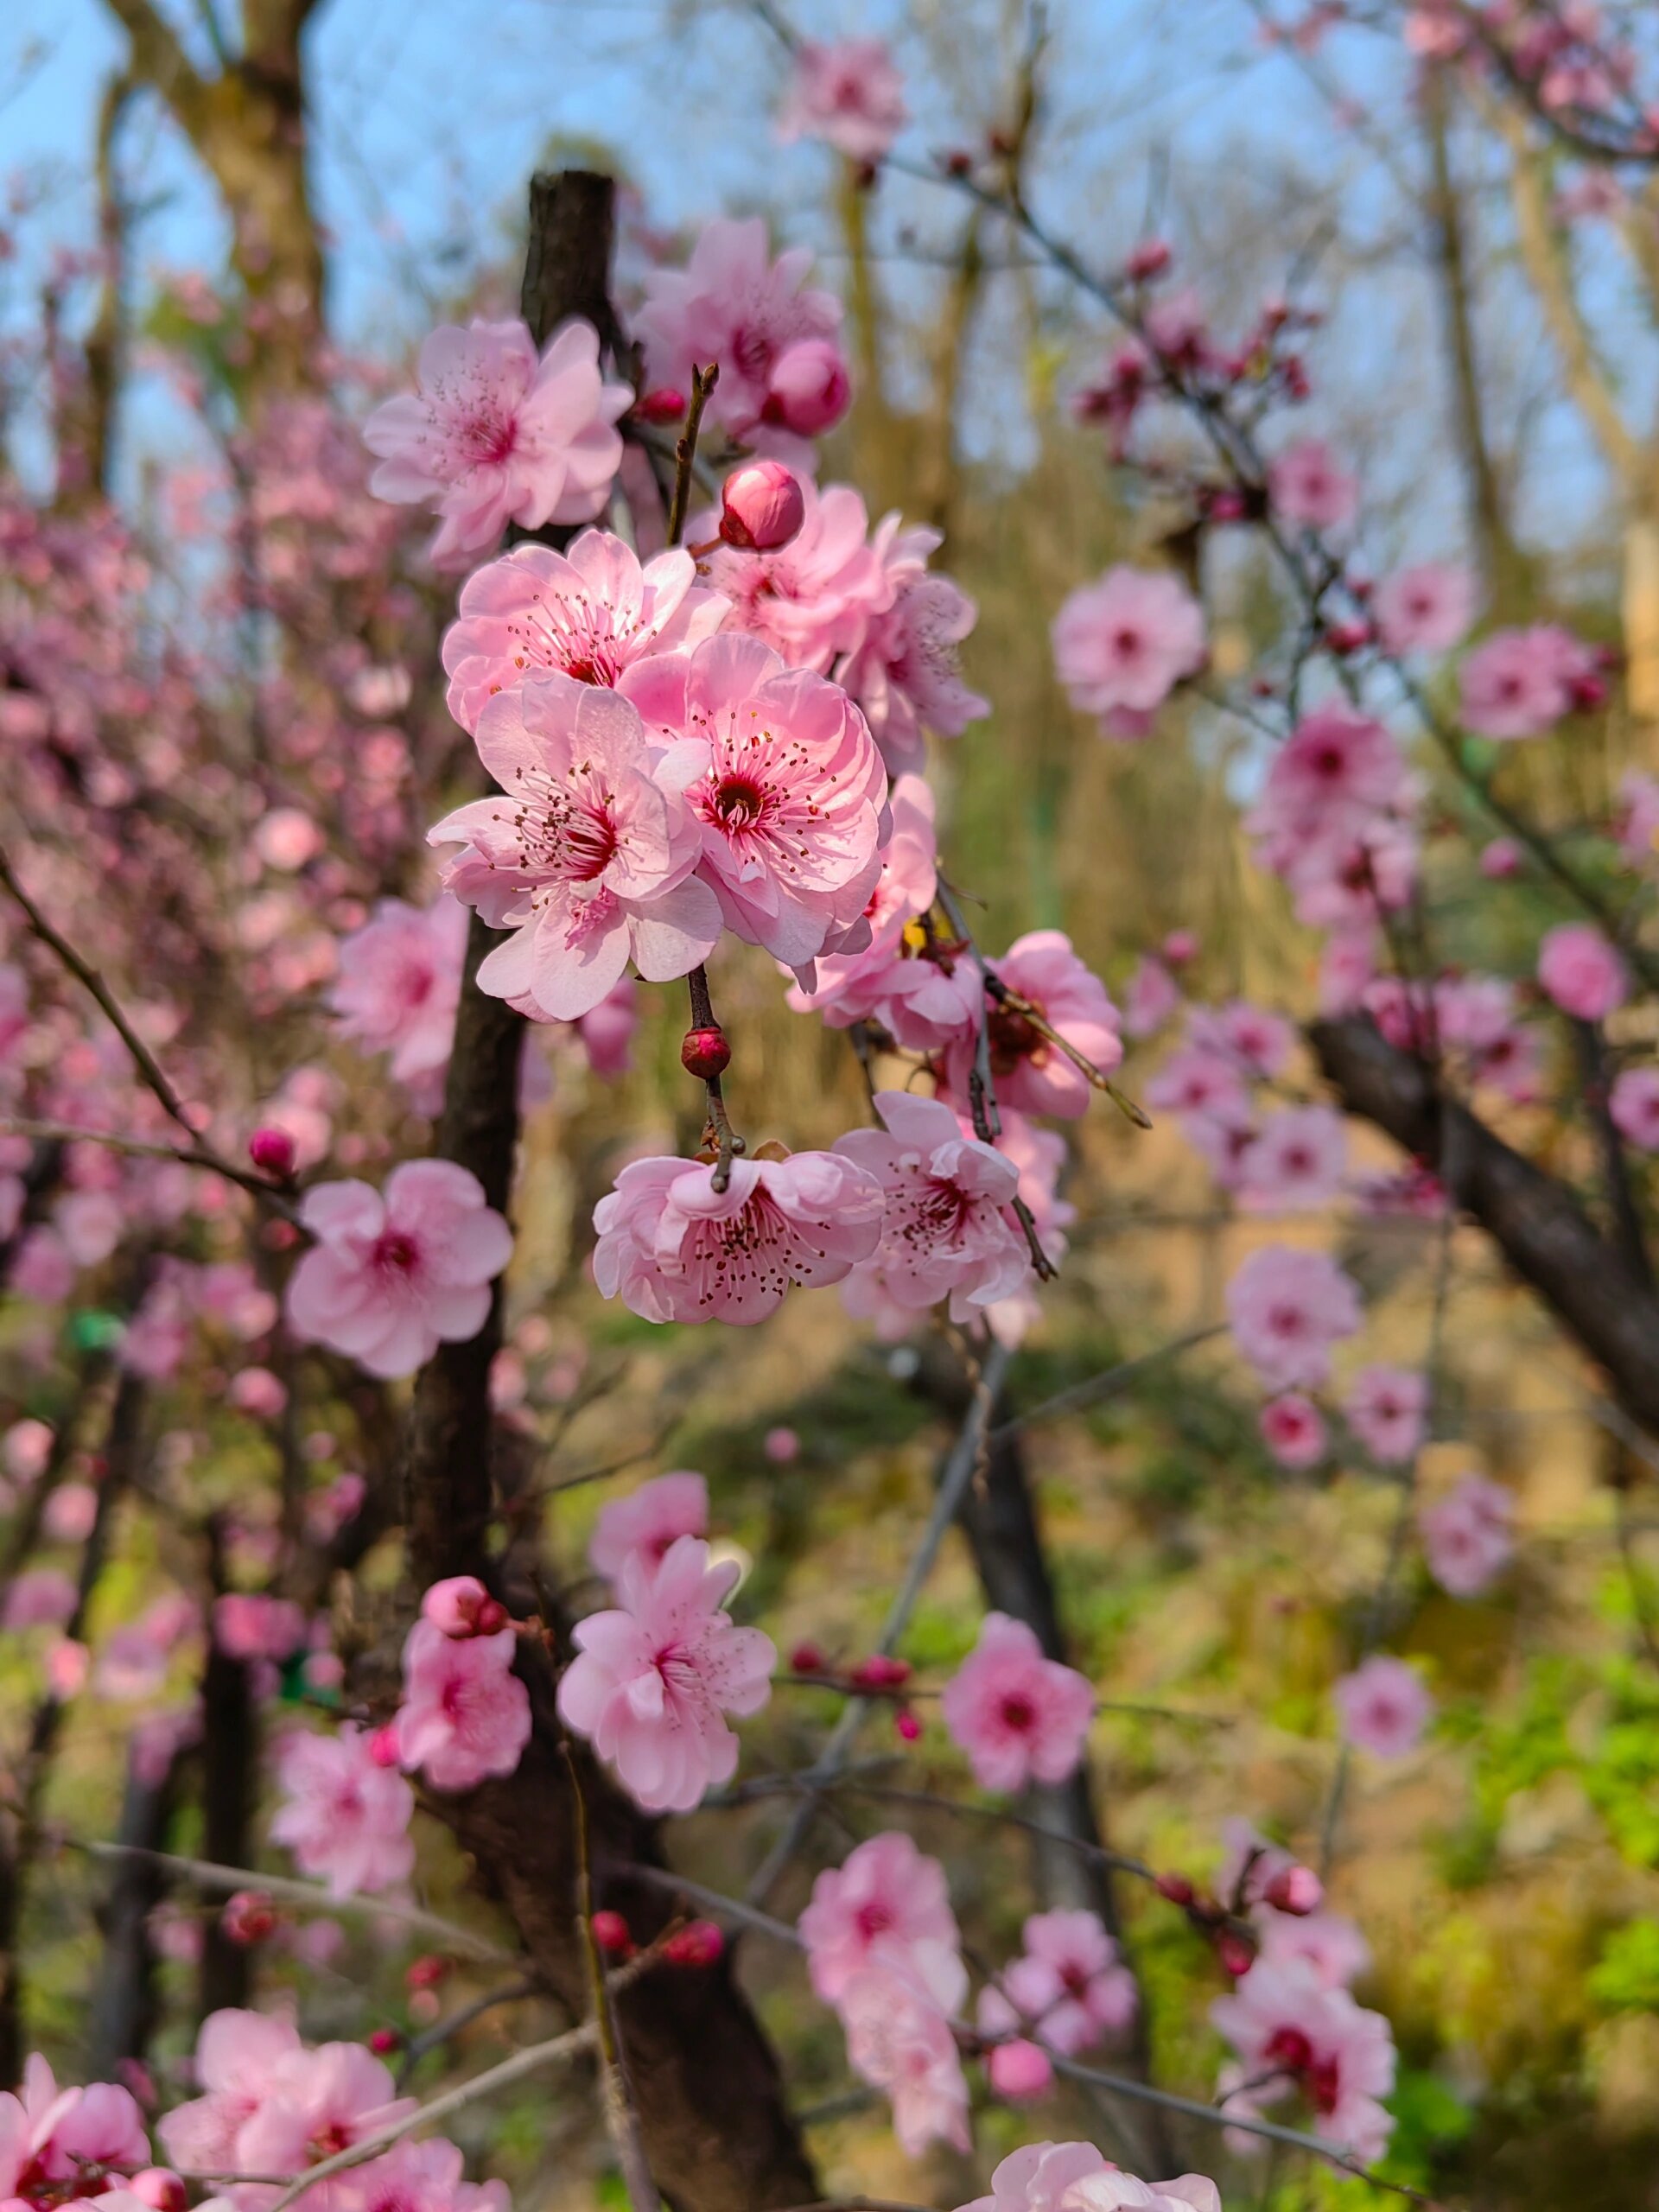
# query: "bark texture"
{"type": "Point", "coordinates": [1600, 1291]}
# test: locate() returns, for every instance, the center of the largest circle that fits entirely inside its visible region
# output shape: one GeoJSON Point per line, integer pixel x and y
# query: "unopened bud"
{"type": "Point", "coordinates": [879, 1672]}
{"type": "Point", "coordinates": [664, 404]}
{"type": "Point", "coordinates": [909, 1728]}
{"type": "Point", "coordinates": [426, 1972]}
{"type": "Point", "coordinates": [611, 1934]}
{"type": "Point", "coordinates": [382, 1746]}
{"type": "Point", "coordinates": [699, 1945]}
{"type": "Point", "coordinates": [1236, 1955]}
{"type": "Point", "coordinates": [1177, 1889]}
{"type": "Point", "coordinates": [806, 1659]}
{"type": "Point", "coordinates": [705, 1052]}
{"type": "Point", "coordinates": [1298, 1890]}
{"type": "Point", "coordinates": [761, 507]}
{"type": "Point", "coordinates": [160, 2188]}
{"type": "Point", "coordinates": [272, 1152]}
{"type": "Point", "coordinates": [1347, 637]}
{"type": "Point", "coordinates": [249, 1917]}
{"type": "Point", "coordinates": [383, 2041]}
{"type": "Point", "coordinates": [461, 1607]}
{"type": "Point", "coordinates": [809, 388]}
{"type": "Point", "coordinates": [1150, 258]}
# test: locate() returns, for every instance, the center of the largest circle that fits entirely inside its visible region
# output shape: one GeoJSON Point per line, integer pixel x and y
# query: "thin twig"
{"type": "Point", "coordinates": [1110, 1385]}
{"type": "Point", "coordinates": [685, 449]}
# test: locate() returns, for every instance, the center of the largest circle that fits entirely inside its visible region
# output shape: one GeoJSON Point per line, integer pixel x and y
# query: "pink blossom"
{"type": "Point", "coordinates": [1020, 1717]}
{"type": "Point", "coordinates": [42, 1269]}
{"type": "Point", "coordinates": [1205, 1092]}
{"type": "Point", "coordinates": [465, 1714]}
{"type": "Point", "coordinates": [1387, 1408]}
{"type": "Point", "coordinates": [1331, 812]}
{"type": "Point", "coordinates": [345, 1817]}
{"type": "Point", "coordinates": [885, 1902]}
{"type": "Point", "coordinates": [495, 436]}
{"type": "Point", "coordinates": [900, 2042]}
{"type": "Point", "coordinates": [424, 2177]}
{"type": "Point", "coordinates": [848, 94]}
{"type": "Point", "coordinates": [1326, 1943]}
{"type": "Point", "coordinates": [398, 984]}
{"type": "Point", "coordinates": [1293, 2031]}
{"type": "Point", "coordinates": [676, 1250]}
{"type": "Point", "coordinates": [70, 1512]}
{"type": "Point", "coordinates": [1068, 1983]}
{"type": "Point", "coordinates": [1582, 972]}
{"type": "Point", "coordinates": [763, 504]}
{"type": "Point", "coordinates": [1306, 484]}
{"type": "Point", "coordinates": [287, 837]}
{"type": "Point", "coordinates": [817, 597]}
{"type": "Point", "coordinates": [1636, 823]}
{"type": "Point", "coordinates": [25, 1449]}
{"type": "Point", "coordinates": [1293, 1430]}
{"type": "Point", "coordinates": [1425, 609]}
{"type": "Point", "coordinates": [1501, 859]}
{"type": "Point", "coordinates": [258, 1393]}
{"type": "Point", "coordinates": [459, 1606]}
{"type": "Point", "coordinates": [807, 393]}
{"type": "Point", "coordinates": [789, 792]}
{"type": "Point", "coordinates": [945, 1232]}
{"type": "Point", "coordinates": [311, 2104]}
{"type": "Point", "coordinates": [1468, 1536]}
{"type": "Point", "coordinates": [249, 1625]}
{"type": "Point", "coordinates": [1286, 1308]}
{"type": "Point", "coordinates": [394, 1274]}
{"type": "Point", "coordinates": [588, 858]}
{"type": "Point", "coordinates": [735, 306]}
{"type": "Point", "coordinates": [1520, 683]}
{"type": "Point", "coordinates": [654, 1679]}
{"type": "Point", "coordinates": [52, 2135]}
{"type": "Point", "coordinates": [1017, 2070]}
{"type": "Point", "coordinates": [1634, 1105]}
{"type": "Point", "coordinates": [40, 1597]}
{"type": "Point", "coordinates": [648, 1521]}
{"type": "Point", "coordinates": [1296, 1160]}
{"type": "Point", "coordinates": [239, 2058]}
{"type": "Point", "coordinates": [90, 1224]}
{"type": "Point", "coordinates": [1031, 1074]}
{"type": "Point", "coordinates": [1153, 995]}
{"type": "Point", "coordinates": [1383, 1706]}
{"type": "Point", "coordinates": [1076, 2178]}
{"type": "Point", "coordinates": [1121, 645]}
{"type": "Point", "coordinates": [905, 674]}
{"type": "Point", "coordinates": [1040, 1157]}
{"type": "Point", "coordinates": [588, 613]}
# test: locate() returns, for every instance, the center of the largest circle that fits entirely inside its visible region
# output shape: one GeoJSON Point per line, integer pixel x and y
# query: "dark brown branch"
{"type": "Point", "coordinates": [1535, 1221]}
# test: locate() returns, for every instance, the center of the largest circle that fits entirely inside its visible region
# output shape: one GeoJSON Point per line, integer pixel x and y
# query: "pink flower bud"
{"type": "Point", "coordinates": [909, 1728]}
{"type": "Point", "coordinates": [160, 2187]}
{"type": "Point", "coordinates": [878, 1672]}
{"type": "Point", "coordinates": [383, 1746]}
{"type": "Point", "coordinates": [761, 507]}
{"type": "Point", "coordinates": [249, 1917]}
{"type": "Point", "coordinates": [1501, 859]}
{"type": "Point", "coordinates": [1347, 637]}
{"type": "Point", "coordinates": [272, 1152]}
{"type": "Point", "coordinates": [699, 1945]}
{"type": "Point", "coordinates": [426, 1972]}
{"type": "Point", "coordinates": [1019, 2071]}
{"type": "Point", "coordinates": [1150, 258]}
{"type": "Point", "coordinates": [462, 1607]}
{"type": "Point", "coordinates": [665, 404]}
{"type": "Point", "coordinates": [806, 1659]}
{"type": "Point", "coordinates": [1180, 946]}
{"type": "Point", "coordinates": [1297, 1889]}
{"type": "Point", "coordinates": [781, 1446]}
{"type": "Point", "coordinates": [809, 388]}
{"type": "Point", "coordinates": [383, 2041]}
{"type": "Point", "coordinates": [1236, 1955]}
{"type": "Point", "coordinates": [1176, 1888]}
{"type": "Point", "coordinates": [611, 1934]}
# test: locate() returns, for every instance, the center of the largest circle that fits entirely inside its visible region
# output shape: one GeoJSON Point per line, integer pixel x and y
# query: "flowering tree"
{"type": "Point", "coordinates": [557, 692]}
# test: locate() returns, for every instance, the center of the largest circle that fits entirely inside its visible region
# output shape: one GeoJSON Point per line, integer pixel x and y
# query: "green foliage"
{"type": "Point", "coordinates": [1626, 1978]}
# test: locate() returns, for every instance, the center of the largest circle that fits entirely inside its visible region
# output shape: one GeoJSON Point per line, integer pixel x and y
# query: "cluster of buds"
{"type": "Point", "coordinates": [699, 1943]}
{"type": "Point", "coordinates": [1288, 1888]}
{"type": "Point", "coordinates": [878, 1676]}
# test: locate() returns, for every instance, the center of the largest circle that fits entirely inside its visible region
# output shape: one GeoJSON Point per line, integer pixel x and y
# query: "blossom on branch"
{"type": "Point", "coordinates": [1122, 645]}
{"type": "Point", "coordinates": [674, 1249]}
{"type": "Point", "coordinates": [1076, 2178]}
{"type": "Point", "coordinates": [847, 93]}
{"type": "Point", "coordinates": [654, 1678]}
{"type": "Point", "coordinates": [343, 1815]}
{"type": "Point", "coordinates": [1020, 1717]}
{"type": "Point", "coordinates": [496, 434]}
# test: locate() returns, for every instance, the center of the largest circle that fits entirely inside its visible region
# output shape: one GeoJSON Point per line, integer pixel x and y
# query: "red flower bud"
{"type": "Point", "coordinates": [383, 1746]}
{"type": "Point", "coordinates": [383, 2041]}
{"type": "Point", "coordinates": [879, 1672]}
{"type": "Point", "coordinates": [1347, 637]}
{"type": "Point", "coordinates": [705, 1053]}
{"type": "Point", "coordinates": [1176, 1888]}
{"type": "Point", "coordinates": [909, 1728]}
{"type": "Point", "coordinates": [761, 507]}
{"type": "Point", "coordinates": [426, 1972]}
{"type": "Point", "coordinates": [665, 404]}
{"type": "Point", "coordinates": [272, 1152]}
{"type": "Point", "coordinates": [1236, 1955]}
{"type": "Point", "coordinates": [611, 1934]}
{"type": "Point", "coordinates": [699, 1945]}
{"type": "Point", "coordinates": [806, 1659]}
